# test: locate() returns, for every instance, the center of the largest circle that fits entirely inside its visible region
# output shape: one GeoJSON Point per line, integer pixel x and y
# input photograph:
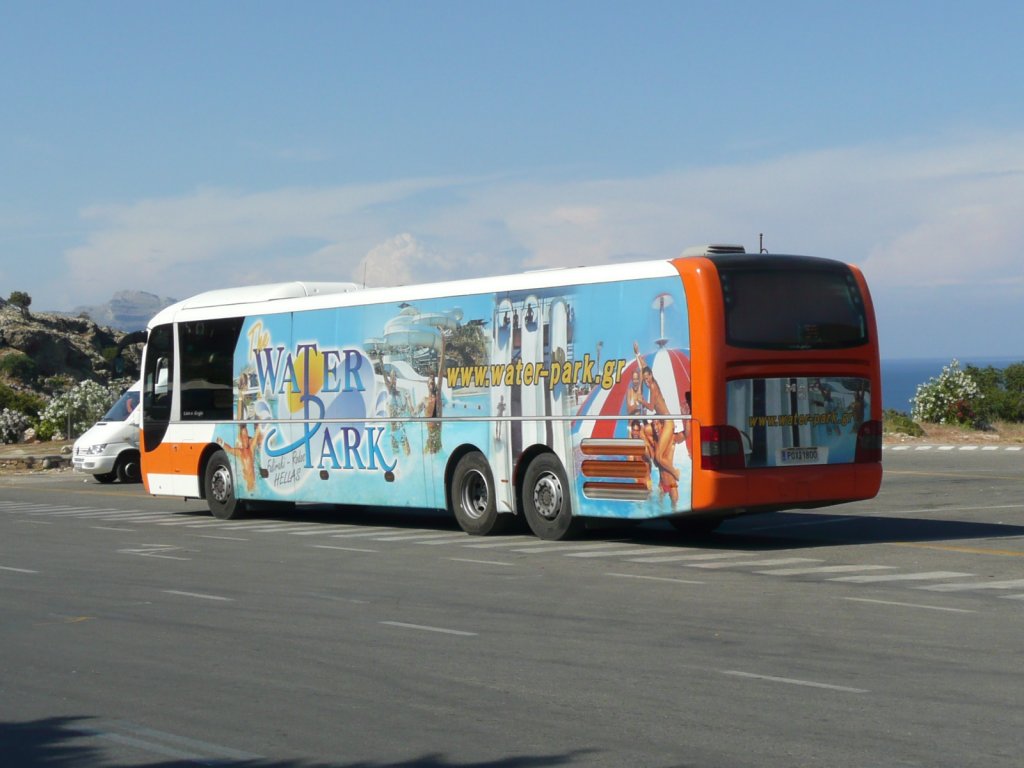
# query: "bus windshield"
{"type": "Point", "coordinates": [792, 303]}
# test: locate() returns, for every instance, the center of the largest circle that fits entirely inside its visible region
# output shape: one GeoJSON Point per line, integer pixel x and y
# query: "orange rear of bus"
{"type": "Point", "coordinates": [786, 383]}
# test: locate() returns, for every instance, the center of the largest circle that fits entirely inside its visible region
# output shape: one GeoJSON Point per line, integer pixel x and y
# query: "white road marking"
{"type": "Point", "coordinates": [323, 531]}
{"type": "Point", "coordinates": [61, 511]}
{"type": "Point", "coordinates": [154, 550]}
{"type": "Point", "coordinates": [199, 595]}
{"type": "Point", "coordinates": [342, 549]}
{"type": "Point", "coordinates": [678, 558]}
{"type": "Point", "coordinates": [792, 681]}
{"type": "Point", "coordinates": [967, 586]}
{"type": "Point", "coordinates": [16, 570]}
{"type": "Point", "coordinates": [653, 578]}
{"type": "Point", "coordinates": [203, 750]}
{"type": "Point", "coordinates": [450, 539]}
{"type": "Point", "coordinates": [609, 552]}
{"type": "Point", "coordinates": [193, 522]}
{"type": "Point", "coordinates": [479, 562]}
{"type": "Point", "coordinates": [555, 547]}
{"type": "Point", "coordinates": [422, 536]}
{"type": "Point", "coordinates": [514, 541]}
{"type": "Point", "coordinates": [928, 576]}
{"type": "Point", "coordinates": [442, 630]}
{"type": "Point", "coordinates": [826, 569]}
{"type": "Point", "coordinates": [748, 563]}
{"type": "Point", "coordinates": [908, 605]}
{"type": "Point", "coordinates": [364, 532]}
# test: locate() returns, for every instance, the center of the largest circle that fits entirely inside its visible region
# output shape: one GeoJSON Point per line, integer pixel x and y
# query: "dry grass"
{"type": "Point", "coordinates": [1001, 433]}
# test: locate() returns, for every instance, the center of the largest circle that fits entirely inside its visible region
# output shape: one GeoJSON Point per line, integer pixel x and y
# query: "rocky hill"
{"type": "Point", "coordinates": [58, 344]}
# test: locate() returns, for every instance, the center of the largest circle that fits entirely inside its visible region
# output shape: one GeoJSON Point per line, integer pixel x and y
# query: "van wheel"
{"type": "Point", "coordinates": [106, 477]}
{"type": "Point", "coordinates": [472, 499]}
{"type": "Point", "coordinates": [127, 467]}
{"type": "Point", "coordinates": [546, 503]}
{"type": "Point", "coordinates": [219, 484]}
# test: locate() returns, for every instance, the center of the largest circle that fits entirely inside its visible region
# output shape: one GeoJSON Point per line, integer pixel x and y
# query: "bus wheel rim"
{"type": "Point", "coordinates": [547, 496]}
{"type": "Point", "coordinates": [475, 495]}
{"type": "Point", "coordinates": [221, 484]}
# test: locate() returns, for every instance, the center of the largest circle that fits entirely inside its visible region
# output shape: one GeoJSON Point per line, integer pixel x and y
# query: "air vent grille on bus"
{"type": "Point", "coordinates": [712, 249]}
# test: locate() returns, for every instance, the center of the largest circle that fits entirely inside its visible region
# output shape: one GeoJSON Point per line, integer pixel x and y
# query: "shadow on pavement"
{"type": "Point", "coordinates": [76, 742]}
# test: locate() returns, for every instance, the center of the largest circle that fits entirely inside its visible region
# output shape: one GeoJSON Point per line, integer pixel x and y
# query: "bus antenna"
{"type": "Point", "coordinates": [760, 243]}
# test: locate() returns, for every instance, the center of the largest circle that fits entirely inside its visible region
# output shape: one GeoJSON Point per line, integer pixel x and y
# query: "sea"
{"type": "Point", "coordinates": [901, 377]}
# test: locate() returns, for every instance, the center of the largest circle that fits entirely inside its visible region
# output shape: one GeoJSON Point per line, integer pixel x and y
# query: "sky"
{"type": "Point", "coordinates": [175, 147]}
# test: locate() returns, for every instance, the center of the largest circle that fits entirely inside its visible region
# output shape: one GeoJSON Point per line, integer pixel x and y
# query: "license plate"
{"type": "Point", "coordinates": [814, 454]}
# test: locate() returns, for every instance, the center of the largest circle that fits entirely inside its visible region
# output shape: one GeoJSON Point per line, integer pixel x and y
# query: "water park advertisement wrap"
{"type": "Point", "coordinates": [364, 405]}
{"type": "Point", "coordinates": [798, 420]}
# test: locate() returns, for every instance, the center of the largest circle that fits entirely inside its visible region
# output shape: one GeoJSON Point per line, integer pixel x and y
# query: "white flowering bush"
{"type": "Point", "coordinates": [13, 425]}
{"type": "Point", "coordinates": [80, 407]}
{"type": "Point", "coordinates": [952, 397]}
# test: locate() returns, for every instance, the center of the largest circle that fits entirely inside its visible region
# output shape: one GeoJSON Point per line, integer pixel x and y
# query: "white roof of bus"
{"type": "Point", "coordinates": [295, 296]}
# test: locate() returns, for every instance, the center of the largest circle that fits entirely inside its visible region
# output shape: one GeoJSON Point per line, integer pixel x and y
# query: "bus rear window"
{"type": "Point", "coordinates": [790, 302]}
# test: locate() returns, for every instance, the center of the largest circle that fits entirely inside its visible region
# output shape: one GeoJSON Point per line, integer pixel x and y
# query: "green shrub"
{"type": "Point", "coordinates": [897, 422]}
{"type": "Point", "coordinates": [18, 366]}
{"type": "Point", "coordinates": [27, 403]}
{"type": "Point", "coordinates": [1003, 391]}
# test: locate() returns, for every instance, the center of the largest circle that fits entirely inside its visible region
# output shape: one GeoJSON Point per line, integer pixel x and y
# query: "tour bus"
{"type": "Point", "coordinates": [694, 389]}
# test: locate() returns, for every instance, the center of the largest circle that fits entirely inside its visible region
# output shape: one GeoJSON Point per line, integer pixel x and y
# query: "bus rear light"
{"type": "Point", "coordinates": [721, 447]}
{"type": "Point", "coordinates": [869, 443]}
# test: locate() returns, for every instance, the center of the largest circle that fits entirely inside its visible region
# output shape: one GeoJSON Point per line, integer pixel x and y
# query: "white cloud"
{"type": "Point", "coordinates": [400, 260]}
{"type": "Point", "coordinates": [944, 214]}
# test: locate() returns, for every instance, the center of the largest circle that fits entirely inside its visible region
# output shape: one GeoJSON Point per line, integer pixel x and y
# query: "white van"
{"type": "Point", "coordinates": [110, 449]}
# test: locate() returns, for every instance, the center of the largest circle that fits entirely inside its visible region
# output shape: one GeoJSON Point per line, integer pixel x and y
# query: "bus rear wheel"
{"type": "Point", "coordinates": [219, 484]}
{"type": "Point", "coordinates": [472, 497]}
{"type": "Point", "coordinates": [546, 503]}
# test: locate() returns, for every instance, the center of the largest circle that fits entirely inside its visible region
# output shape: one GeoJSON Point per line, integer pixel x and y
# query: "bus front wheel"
{"type": "Point", "coordinates": [472, 497]}
{"type": "Point", "coordinates": [546, 503]}
{"type": "Point", "coordinates": [219, 485]}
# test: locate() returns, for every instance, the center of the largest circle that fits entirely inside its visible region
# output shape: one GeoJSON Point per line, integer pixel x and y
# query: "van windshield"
{"type": "Point", "coordinates": [120, 410]}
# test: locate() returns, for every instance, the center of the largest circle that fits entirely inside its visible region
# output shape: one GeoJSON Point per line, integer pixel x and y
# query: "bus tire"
{"type": "Point", "coordinates": [473, 499]}
{"type": "Point", "coordinates": [546, 502]}
{"type": "Point", "coordinates": [127, 467]}
{"type": "Point", "coordinates": [219, 485]}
